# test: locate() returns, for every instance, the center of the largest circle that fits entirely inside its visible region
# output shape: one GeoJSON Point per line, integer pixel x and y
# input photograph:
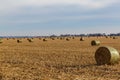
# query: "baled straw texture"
{"type": "Point", "coordinates": [106, 55]}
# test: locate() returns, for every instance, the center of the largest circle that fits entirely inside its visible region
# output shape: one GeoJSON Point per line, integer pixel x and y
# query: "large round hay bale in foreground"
{"type": "Point", "coordinates": [95, 42]}
{"type": "Point", "coordinates": [106, 55]}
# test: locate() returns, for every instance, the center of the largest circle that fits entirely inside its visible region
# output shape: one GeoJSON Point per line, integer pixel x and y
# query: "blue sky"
{"type": "Point", "coordinates": [47, 17]}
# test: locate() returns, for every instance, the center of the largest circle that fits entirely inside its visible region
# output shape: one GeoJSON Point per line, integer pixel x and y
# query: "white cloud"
{"type": "Point", "coordinates": [59, 19]}
{"type": "Point", "coordinates": [8, 6]}
{"type": "Point", "coordinates": [92, 4]}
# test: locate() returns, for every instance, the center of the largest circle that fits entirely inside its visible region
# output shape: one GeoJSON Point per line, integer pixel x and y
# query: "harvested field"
{"type": "Point", "coordinates": [56, 60]}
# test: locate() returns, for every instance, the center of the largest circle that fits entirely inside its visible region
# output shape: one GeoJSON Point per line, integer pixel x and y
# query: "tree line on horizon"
{"type": "Point", "coordinates": [66, 35]}
{"type": "Point", "coordinates": [91, 34]}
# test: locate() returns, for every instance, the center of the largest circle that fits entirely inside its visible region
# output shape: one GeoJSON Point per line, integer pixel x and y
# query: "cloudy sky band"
{"type": "Point", "coordinates": [74, 16]}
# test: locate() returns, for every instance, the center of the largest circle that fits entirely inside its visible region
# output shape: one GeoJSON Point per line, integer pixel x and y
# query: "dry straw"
{"type": "Point", "coordinates": [106, 55]}
{"type": "Point", "coordinates": [95, 42]}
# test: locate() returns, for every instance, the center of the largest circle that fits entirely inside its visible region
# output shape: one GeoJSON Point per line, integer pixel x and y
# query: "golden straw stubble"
{"type": "Point", "coordinates": [106, 55]}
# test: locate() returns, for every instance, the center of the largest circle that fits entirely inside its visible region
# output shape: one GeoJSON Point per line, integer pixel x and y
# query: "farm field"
{"type": "Point", "coordinates": [55, 60]}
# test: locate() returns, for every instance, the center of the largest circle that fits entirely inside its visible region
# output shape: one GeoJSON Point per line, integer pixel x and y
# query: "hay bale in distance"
{"type": "Point", "coordinates": [73, 37]}
{"type": "Point", "coordinates": [67, 39]}
{"type": "Point", "coordinates": [106, 36]}
{"type": "Point", "coordinates": [7, 38]}
{"type": "Point", "coordinates": [114, 37]}
{"type": "Point", "coordinates": [82, 39]}
{"type": "Point", "coordinates": [57, 37]}
{"type": "Point", "coordinates": [110, 36]}
{"type": "Point", "coordinates": [52, 38]}
{"type": "Point", "coordinates": [19, 41]}
{"type": "Point", "coordinates": [95, 42]}
{"type": "Point", "coordinates": [61, 38]}
{"type": "Point", "coordinates": [30, 40]}
{"type": "Point", "coordinates": [1, 41]}
{"type": "Point", "coordinates": [106, 55]}
{"type": "Point", "coordinates": [44, 39]}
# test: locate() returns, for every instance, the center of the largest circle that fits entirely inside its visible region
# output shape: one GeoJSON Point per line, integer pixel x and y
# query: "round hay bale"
{"type": "Point", "coordinates": [110, 36]}
{"type": "Point", "coordinates": [19, 41]}
{"type": "Point", "coordinates": [44, 39]}
{"type": "Point", "coordinates": [73, 37]}
{"type": "Point", "coordinates": [95, 42]}
{"type": "Point", "coordinates": [57, 37]}
{"type": "Point", "coordinates": [106, 36]}
{"type": "Point", "coordinates": [61, 38]}
{"type": "Point", "coordinates": [82, 39]}
{"type": "Point", "coordinates": [67, 39]}
{"type": "Point", "coordinates": [7, 38]}
{"type": "Point", "coordinates": [106, 55]}
{"type": "Point", "coordinates": [30, 40]}
{"type": "Point", "coordinates": [52, 38]}
{"type": "Point", "coordinates": [114, 37]}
